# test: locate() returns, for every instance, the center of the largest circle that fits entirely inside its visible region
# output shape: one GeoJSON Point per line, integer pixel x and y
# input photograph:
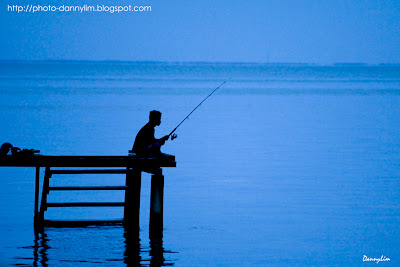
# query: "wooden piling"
{"type": "Point", "coordinates": [37, 193]}
{"type": "Point", "coordinates": [45, 191]}
{"type": "Point", "coordinates": [132, 197]}
{"type": "Point", "coordinates": [156, 205]}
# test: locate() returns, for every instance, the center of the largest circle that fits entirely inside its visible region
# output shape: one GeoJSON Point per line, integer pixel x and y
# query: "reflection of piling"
{"type": "Point", "coordinates": [156, 205]}
{"type": "Point", "coordinates": [157, 252]}
{"type": "Point", "coordinates": [40, 249]}
{"type": "Point", "coordinates": [132, 246]}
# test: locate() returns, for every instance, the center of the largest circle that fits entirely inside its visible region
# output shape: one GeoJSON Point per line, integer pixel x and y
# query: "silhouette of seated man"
{"type": "Point", "coordinates": [145, 142]}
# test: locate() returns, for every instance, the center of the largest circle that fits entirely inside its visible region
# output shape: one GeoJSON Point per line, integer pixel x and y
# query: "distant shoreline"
{"type": "Point", "coordinates": [337, 64]}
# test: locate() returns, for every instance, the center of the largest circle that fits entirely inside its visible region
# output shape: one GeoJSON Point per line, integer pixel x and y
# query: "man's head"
{"type": "Point", "coordinates": [155, 117]}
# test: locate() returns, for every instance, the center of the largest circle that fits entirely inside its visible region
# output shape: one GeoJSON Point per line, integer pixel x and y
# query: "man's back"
{"type": "Point", "coordinates": [144, 139]}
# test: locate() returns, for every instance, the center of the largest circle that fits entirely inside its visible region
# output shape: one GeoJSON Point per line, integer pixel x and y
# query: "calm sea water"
{"type": "Point", "coordinates": [286, 165]}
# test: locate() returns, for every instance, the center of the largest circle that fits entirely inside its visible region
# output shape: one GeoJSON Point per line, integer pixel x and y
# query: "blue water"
{"type": "Point", "coordinates": [286, 165]}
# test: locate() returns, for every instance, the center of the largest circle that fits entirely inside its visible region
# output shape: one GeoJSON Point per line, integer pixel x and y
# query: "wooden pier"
{"type": "Point", "coordinates": [132, 166]}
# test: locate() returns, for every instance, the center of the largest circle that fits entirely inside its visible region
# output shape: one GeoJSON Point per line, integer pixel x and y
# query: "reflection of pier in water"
{"type": "Point", "coordinates": [40, 249]}
{"type": "Point", "coordinates": [131, 252]}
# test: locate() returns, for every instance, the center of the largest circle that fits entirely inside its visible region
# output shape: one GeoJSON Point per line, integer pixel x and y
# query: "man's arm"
{"type": "Point", "coordinates": [162, 140]}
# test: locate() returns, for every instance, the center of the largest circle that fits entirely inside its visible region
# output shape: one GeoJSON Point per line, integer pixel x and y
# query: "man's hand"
{"type": "Point", "coordinates": [162, 140]}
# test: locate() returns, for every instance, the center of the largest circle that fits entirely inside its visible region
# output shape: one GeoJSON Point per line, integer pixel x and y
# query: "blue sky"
{"type": "Point", "coordinates": [304, 31]}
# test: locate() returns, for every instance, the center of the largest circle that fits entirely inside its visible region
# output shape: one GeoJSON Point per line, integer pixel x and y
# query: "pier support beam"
{"type": "Point", "coordinates": [36, 216]}
{"type": "Point", "coordinates": [132, 197]}
{"type": "Point", "coordinates": [45, 192]}
{"type": "Point", "coordinates": [156, 205]}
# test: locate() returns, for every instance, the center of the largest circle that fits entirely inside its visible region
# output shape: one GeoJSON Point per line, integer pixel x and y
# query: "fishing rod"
{"type": "Point", "coordinates": [174, 136]}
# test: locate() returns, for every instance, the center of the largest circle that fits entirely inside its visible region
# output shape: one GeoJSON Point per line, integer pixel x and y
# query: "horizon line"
{"type": "Point", "coordinates": [204, 62]}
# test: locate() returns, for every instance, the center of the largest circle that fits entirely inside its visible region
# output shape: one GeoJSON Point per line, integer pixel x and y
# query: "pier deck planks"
{"type": "Point", "coordinates": [130, 161]}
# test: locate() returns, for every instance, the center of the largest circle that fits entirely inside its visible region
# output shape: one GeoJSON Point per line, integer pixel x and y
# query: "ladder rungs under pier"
{"type": "Point", "coordinates": [86, 171]}
{"type": "Point", "coordinates": [80, 223]}
{"type": "Point", "coordinates": [87, 204]}
{"type": "Point", "coordinates": [70, 188]}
